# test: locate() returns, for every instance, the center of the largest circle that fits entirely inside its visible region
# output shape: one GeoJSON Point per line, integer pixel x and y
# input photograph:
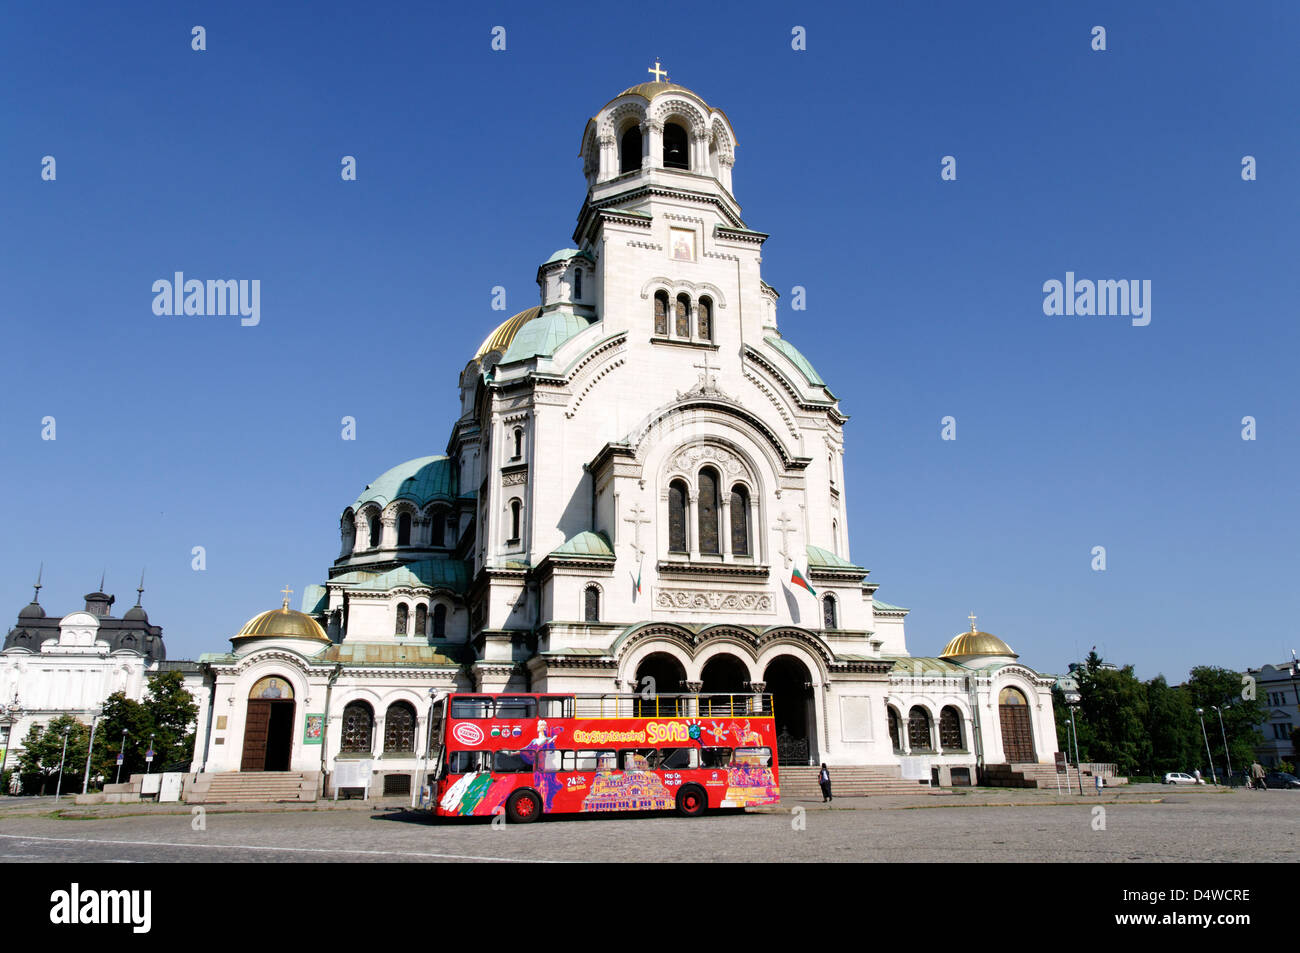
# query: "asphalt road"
{"type": "Point", "coordinates": [1187, 825]}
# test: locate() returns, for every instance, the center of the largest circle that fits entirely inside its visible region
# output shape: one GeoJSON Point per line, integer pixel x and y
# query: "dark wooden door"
{"type": "Point", "coordinates": [255, 729]}
{"type": "Point", "coordinates": [1017, 736]}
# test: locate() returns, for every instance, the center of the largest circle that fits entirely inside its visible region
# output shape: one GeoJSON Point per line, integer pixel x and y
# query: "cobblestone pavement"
{"type": "Point", "coordinates": [1142, 823]}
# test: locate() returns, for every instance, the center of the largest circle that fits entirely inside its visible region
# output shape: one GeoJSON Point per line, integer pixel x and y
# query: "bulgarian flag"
{"type": "Point", "coordinates": [637, 581]}
{"type": "Point", "coordinates": [797, 579]}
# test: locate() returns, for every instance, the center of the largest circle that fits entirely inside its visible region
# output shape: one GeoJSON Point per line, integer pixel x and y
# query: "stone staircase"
{"type": "Point", "coordinates": [268, 786]}
{"type": "Point", "coordinates": [1044, 776]}
{"type": "Point", "coordinates": [847, 781]}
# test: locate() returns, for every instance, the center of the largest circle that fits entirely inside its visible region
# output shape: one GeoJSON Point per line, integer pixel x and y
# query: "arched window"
{"type": "Point", "coordinates": [403, 616]}
{"type": "Point", "coordinates": [519, 442]}
{"type": "Point", "coordinates": [704, 321]}
{"type": "Point", "coordinates": [438, 529]}
{"type": "Point", "coordinates": [739, 520]}
{"type": "Point", "coordinates": [708, 509]}
{"type": "Point", "coordinates": [950, 733]}
{"type": "Point", "coordinates": [577, 282]}
{"type": "Point", "coordinates": [439, 621]}
{"type": "Point", "coordinates": [629, 159]}
{"type": "Point", "coordinates": [830, 620]}
{"type": "Point", "coordinates": [404, 530]}
{"type": "Point", "coordinates": [358, 725]}
{"type": "Point", "coordinates": [676, 154]}
{"type": "Point", "coordinates": [677, 517]}
{"type": "Point", "coordinates": [661, 313]}
{"type": "Point", "coordinates": [591, 604]}
{"type": "Point", "coordinates": [421, 619]}
{"type": "Point", "coordinates": [373, 520]}
{"type": "Point", "coordinates": [893, 730]}
{"type": "Point", "coordinates": [918, 730]}
{"type": "Point", "coordinates": [399, 727]}
{"type": "Point", "coordinates": [682, 324]}
{"type": "Point", "coordinates": [516, 520]}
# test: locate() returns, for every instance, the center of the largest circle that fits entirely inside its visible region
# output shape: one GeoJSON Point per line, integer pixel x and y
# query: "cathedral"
{"type": "Point", "coordinates": [644, 491]}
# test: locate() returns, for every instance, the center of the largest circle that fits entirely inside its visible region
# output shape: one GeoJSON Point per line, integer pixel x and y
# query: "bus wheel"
{"type": "Point", "coordinates": [691, 801]}
{"type": "Point", "coordinates": [523, 807]}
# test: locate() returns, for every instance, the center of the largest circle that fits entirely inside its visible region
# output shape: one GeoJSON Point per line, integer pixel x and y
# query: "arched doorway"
{"type": "Point", "coordinates": [723, 675]}
{"type": "Point", "coordinates": [790, 684]}
{"type": "Point", "coordinates": [1017, 734]}
{"type": "Point", "coordinates": [268, 726]}
{"type": "Point", "coordinates": [658, 674]}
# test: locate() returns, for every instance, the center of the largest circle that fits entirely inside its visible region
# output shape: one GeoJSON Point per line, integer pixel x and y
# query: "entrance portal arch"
{"type": "Point", "coordinates": [789, 682]}
{"type": "Point", "coordinates": [268, 725]}
{"type": "Point", "coordinates": [658, 674]}
{"type": "Point", "coordinates": [1017, 733]}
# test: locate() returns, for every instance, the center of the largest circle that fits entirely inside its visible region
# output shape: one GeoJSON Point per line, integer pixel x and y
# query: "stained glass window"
{"type": "Point", "coordinates": [918, 730]}
{"type": "Point", "coordinates": [661, 313]}
{"type": "Point", "coordinates": [358, 721]}
{"type": "Point", "coordinates": [829, 619]}
{"type": "Point", "coordinates": [399, 727]}
{"type": "Point", "coordinates": [739, 521]}
{"type": "Point", "coordinates": [709, 542]}
{"type": "Point", "coordinates": [677, 517]}
{"type": "Point", "coordinates": [421, 619]}
{"type": "Point", "coordinates": [950, 734]}
{"type": "Point", "coordinates": [591, 609]}
{"type": "Point", "coordinates": [705, 320]}
{"type": "Point", "coordinates": [683, 323]}
{"type": "Point", "coordinates": [403, 615]}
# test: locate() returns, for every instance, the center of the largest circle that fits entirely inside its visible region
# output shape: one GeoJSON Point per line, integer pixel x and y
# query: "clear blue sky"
{"type": "Point", "coordinates": [924, 297]}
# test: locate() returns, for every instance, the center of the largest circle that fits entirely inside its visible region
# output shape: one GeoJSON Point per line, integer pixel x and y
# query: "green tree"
{"type": "Point", "coordinates": [1171, 720]}
{"type": "Point", "coordinates": [43, 752]}
{"type": "Point", "coordinates": [1113, 716]}
{"type": "Point", "coordinates": [167, 714]}
{"type": "Point", "coordinates": [1210, 686]}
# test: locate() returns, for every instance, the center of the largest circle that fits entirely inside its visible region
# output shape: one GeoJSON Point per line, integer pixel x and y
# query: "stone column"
{"type": "Point", "coordinates": [652, 143]}
{"type": "Point", "coordinates": [693, 524]}
{"type": "Point", "coordinates": [608, 157]}
{"type": "Point", "coordinates": [724, 521]}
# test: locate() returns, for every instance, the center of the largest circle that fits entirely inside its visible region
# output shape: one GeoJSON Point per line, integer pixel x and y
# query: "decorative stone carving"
{"type": "Point", "coordinates": [687, 459]}
{"type": "Point", "coordinates": [514, 477]}
{"type": "Point", "coordinates": [712, 600]}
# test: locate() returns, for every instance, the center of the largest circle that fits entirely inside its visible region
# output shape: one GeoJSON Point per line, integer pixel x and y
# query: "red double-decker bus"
{"type": "Point", "coordinates": [526, 755]}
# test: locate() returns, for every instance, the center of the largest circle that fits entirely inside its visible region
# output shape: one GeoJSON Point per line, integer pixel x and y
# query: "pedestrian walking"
{"type": "Point", "coordinates": [824, 779]}
{"type": "Point", "coordinates": [1257, 776]}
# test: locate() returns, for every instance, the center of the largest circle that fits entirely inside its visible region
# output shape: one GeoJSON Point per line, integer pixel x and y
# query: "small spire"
{"type": "Point", "coordinates": [287, 593]}
{"type": "Point", "coordinates": [139, 590]}
{"type": "Point", "coordinates": [36, 596]}
{"type": "Point", "coordinates": [101, 578]}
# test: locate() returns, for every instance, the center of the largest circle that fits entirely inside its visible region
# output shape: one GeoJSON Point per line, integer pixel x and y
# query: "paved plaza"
{"type": "Point", "coordinates": [1141, 823]}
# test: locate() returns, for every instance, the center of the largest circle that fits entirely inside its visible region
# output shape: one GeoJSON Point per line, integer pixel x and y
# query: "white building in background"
{"type": "Point", "coordinates": [1276, 692]}
{"type": "Point", "coordinates": [52, 666]}
{"type": "Point", "coordinates": [643, 470]}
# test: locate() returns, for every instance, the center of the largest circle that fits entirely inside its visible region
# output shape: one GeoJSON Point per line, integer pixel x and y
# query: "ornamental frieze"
{"type": "Point", "coordinates": [687, 459]}
{"type": "Point", "coordinates": [712, 600]}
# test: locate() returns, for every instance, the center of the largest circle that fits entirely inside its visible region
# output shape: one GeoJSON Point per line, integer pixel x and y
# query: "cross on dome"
{"type": "Point", "coordinates": [658, 73]}
{"type": "Point", "coordinates": [972, 621]}
{"type": "Point", "coordinates": [287, 592]}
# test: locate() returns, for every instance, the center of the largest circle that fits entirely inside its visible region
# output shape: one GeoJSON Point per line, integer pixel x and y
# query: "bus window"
{"type": "Point", "coordinates": [758, 756]}
{"type": "Point", "coordinates": [677, 759]}
{"type": "Point", "coordinates": [716, 757]}
{"type": "Point", "coordinates": [552, 761]}
{"type": "Point", "coordinates": [464, 762]}
{"type": "Point", "coordinates": [509, 706]}
{"type": "Point", "coordinates": [510, 762]}
{"type": "Point", "coordinates": [589, 760]}
{"type": "Point", "coordinates": [556, 706]}
{"type": "Point", "coordinates": [471, 708]}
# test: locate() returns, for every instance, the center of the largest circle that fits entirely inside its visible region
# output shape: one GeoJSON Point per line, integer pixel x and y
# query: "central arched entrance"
{"type": "Point", "coordinates": [1017, 734]}
{"type": "Point", "coordinates": [723, 675]}
{"type": "Point", "coordinates": [790, 684]}
{"type": "Point", "coordinates": [658, 674]}
{"type": "Point", "coordinates": [268, 726]}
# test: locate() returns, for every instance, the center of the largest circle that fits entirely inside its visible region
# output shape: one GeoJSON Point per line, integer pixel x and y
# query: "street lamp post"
{"type": "Point", "coordinates": [1200, 713]}
{"type": "Point", "coordinates": [58, 788]}
{"type": "Point", "coordinates": [121, 756]}
{"type": "Point", "coordinates": [1078, 770]}
{"type": "Point", "coordinates": [94, 723]}
{"type": "Point", "coordinates": [1224, 731]}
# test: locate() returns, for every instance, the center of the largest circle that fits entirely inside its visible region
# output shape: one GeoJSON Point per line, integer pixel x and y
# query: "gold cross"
{"type": "Point", "coordinates": [286, 592]}
{"type": "Point", "coordinates": [972, 621]}
{"type": "Point", "coordinates": [657, 72]}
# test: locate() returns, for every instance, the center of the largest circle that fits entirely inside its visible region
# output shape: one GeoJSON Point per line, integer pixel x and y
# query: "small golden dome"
{"type": "Point", "coordinates": [282, 623]}
{"type": "Point", "coordinates": [973, 643]}
{"type": "Point", "coordinates": [499, 340]}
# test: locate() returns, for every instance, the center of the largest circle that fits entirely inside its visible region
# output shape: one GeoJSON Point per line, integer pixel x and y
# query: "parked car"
{"type": "Point", "coordinates": [1280, 779]}
{"type": "Point", "coordinates": [1177, 777]}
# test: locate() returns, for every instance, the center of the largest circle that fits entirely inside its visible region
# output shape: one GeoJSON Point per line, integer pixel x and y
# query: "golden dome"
{"type": "Point", "coordinates": [500, 339]}
{"type": "Point", "coordinates": [283, 623]}
{"type": "Point", "coordinates": [974, 642]}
